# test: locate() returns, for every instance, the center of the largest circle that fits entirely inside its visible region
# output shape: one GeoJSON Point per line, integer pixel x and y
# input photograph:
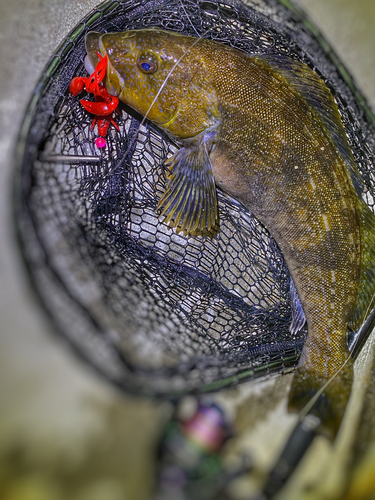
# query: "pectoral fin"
{"type": "Point", "coordinates": [190, 203]}
{"type": "Point", "coordinates": [298, 315]}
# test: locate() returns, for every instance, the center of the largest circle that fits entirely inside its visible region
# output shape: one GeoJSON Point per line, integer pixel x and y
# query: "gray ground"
{"type": "Point", "coordinates": [64, 432]}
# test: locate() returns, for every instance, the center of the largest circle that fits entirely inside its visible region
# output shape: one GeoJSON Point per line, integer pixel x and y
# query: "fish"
{"type": "Point", "coordinates": [266, 130]}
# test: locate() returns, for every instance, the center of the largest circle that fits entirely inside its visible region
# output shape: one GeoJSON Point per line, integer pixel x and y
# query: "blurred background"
{"type": "Point", "coordinates": [64, 431]}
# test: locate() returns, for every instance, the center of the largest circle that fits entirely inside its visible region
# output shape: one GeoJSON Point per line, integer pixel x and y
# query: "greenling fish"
{"type": "Point", "coordinates": [266, 130]}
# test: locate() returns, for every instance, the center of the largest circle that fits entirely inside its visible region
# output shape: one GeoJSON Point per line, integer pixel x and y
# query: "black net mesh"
{"type": "Point", "coordinates": [158, 312]}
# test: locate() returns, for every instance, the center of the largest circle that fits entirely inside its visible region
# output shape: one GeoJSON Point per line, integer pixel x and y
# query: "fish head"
{"type": "Point", "coordinates": [160, 75]}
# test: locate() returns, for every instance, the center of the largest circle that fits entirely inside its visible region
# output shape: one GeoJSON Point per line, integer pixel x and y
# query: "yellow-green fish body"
{"type": "Point", "coordinates": [266, 130]}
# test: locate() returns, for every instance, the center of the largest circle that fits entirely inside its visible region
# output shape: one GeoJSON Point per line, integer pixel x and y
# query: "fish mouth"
{"type": "Point", "coordinates": [90, 68]}
{"type": "Point", "coordinates": [92, 45]}
{"type": "Point", "coordinates": [115, 83]}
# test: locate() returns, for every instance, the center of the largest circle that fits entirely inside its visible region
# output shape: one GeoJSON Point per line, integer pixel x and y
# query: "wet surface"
{"type": "Point", "coordinates": [64, 431]}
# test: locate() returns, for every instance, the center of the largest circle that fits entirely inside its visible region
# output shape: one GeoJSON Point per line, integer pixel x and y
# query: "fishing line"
{"type": "Point", "coordinates": [136, 278]}
{"type": "Point", "coordinates": [369, 307]}
{"type": "Point", "coordinates": [159, 92]}
{"type": "Point", "coordinates": [297, 444]}
{"type": "Point", "coordinates": [308, 407]}
{"type": "Point", "coordinates": [367, 326]}
{"type": "Point", "coordinates": [188, 18]}
{"type": "Point", "coordinates": [303, 413]}
{"type": "Point", "coordinates": [308, 424]}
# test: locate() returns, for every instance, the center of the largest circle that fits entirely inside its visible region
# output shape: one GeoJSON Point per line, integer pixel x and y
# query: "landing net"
{"type": "Point", "coordinates": [155, 311]}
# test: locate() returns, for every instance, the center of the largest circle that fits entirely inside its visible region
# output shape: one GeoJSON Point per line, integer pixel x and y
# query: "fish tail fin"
{"type": "Point", "coordinates": [366, 294]}
{"type": "Point", "coordinates": [326, 398]}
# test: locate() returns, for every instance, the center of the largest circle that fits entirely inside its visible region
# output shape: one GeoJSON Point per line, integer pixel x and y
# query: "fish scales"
{"type": "Point", "coordinates": [290, 148]}
{"type": "Point", "coordinates": [266, 130]}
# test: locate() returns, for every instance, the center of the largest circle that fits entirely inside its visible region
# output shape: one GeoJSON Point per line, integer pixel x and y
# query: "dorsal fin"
{"type": "Point", "coordinates": [316, 93]}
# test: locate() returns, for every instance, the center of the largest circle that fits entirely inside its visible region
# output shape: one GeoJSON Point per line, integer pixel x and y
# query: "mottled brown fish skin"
{"type": "Point", "coordinates": [302, 192]}
{"type": "Point", "coordinates": [269, 149]}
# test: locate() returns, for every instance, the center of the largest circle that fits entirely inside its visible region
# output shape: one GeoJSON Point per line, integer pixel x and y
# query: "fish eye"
{"type": "Point", "coordinates": [147, 66]}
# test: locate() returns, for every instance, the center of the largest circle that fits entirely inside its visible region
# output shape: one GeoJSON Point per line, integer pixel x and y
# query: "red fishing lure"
{"type": "Point", "coordinates": [105, 104]}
